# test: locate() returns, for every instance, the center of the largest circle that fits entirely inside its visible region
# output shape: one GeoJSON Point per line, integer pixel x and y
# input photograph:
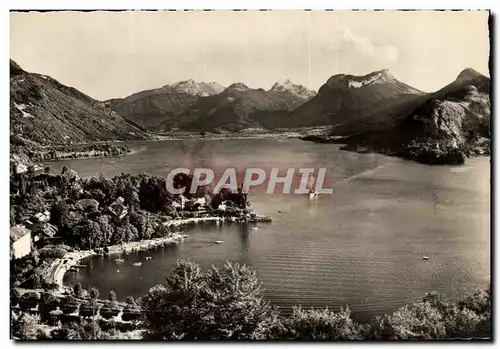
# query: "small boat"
{"type": "Point", "coordinates": [117, 271]}
{"type": "Point", "coordinates": [148, 258]}
{"type": "Point", "coordinates": [119, 260]}
{"type": "Point", "coordinates": [218, 242]}
{"type": "Point", "coordinates": [425, 258]}
{"type": "Point", "coordinates": [138, 264]}
{"type": "Point", "coordinates": [254, 228]}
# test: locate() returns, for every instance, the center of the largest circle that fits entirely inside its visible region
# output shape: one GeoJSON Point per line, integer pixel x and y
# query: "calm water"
{"type": "Point", "coordinates": [360, 246]}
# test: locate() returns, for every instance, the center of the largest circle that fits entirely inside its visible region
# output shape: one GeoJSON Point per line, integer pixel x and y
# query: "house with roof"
{"type": "Point", "coordinates": [42, 233]}
{"type": "Point", "coordinates": [86, 204]}
{"type": "Point", "coordinates": [41, 217]}
{"type": "Point", "coordinates": [118, 209]}
{"type": "Point", "coordinates": [20, 236]}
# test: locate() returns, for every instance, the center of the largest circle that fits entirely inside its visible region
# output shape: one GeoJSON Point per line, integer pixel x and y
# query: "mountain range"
{"type": "Point", "coordinates": [238, 107]}
{"type": "Point", "coordinates": [375, 110]}
{"type": "Point", "coordinates": [151, 108]}
{"type": "Point", "coordinates": [433, 127]}
{"type": "Point", "coordinates": [209, 106]}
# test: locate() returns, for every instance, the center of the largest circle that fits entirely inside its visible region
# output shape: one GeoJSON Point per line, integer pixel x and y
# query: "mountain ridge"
{"type": "Point", "coordinates": [150, 108]}
{"type": "Point", "coordinates": [445, 126]}
{"type": "Point", "coordinates": [47, 112]}
{"type": "Point", "coordinates": [236, 108]}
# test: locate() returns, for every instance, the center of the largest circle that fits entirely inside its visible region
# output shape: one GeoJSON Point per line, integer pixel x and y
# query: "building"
{"type": "Point", "coordinates": [21, 241]}
{"type": "Point", "coordinates": [44, 233]}
{"type": "Point", "coordinates": [180, 203]}
{"type": "Point", "coordinates": [86, 204]}
{"type": "Point", "coordinates": [41, 217]}
{"type": "Point", "coordinates": [118, 209]}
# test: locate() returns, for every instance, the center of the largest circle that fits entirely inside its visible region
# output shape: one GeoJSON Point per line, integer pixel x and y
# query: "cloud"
{"type": "Point", "coordinates": [367, 46]}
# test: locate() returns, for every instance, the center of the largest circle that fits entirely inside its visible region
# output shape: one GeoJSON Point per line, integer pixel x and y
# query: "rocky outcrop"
{"type": "Point", "coordinates": [445, 128]}
{"type": "Point", "coordinates": [297, 90]}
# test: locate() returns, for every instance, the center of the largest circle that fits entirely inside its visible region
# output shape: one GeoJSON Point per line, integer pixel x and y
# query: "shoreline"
{"type": "Point", "coordinates": [274, 134]}
{"type": "Point", "coordinates": [131, 152]}
{"type": "Point", "coordinates": [217, 220]}
{"type": "Point", "coordinates": [60, 266]}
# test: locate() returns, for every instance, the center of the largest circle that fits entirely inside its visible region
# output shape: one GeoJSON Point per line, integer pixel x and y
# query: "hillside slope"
{"type": "Point", "coordinates": [347, 102]}
{"type": "Point", "coordinates": [47, 112]}
{"type": "Point", "coordinates": [239, 107]}
{"type": "Point", "coordinates": [446, 126]}
{"type": "Point", "coordinates": [151, 108]}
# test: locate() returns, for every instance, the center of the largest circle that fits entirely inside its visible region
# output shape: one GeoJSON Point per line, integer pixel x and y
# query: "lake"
{"type": "Point", "coordinates": [361, 246]}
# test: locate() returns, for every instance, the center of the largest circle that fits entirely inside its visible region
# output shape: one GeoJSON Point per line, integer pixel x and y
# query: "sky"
{"type": "Point", "coordinates": [115, 54]}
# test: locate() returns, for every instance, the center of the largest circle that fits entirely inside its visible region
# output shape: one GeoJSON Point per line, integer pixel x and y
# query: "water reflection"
{"type": "Point", "coordinates": [361, 245]}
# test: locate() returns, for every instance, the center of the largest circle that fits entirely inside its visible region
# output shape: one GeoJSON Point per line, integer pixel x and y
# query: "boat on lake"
{"type": "Point", "coordinates": [137, 264]}
{"type": "Point", "coordinates": [425, 258]}
{"type": "Point", "coordinates": [218, 242]}
{"type": "Point", "coordinates": [119, 260]}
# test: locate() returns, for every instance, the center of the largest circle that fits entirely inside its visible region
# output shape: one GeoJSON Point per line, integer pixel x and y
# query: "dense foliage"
{"type": "Point", "coordinates": [80, 208]}
{"type": "Point", "coordinates": [226, 304]}
{"type": "Point", "coordinates": [221, 303]}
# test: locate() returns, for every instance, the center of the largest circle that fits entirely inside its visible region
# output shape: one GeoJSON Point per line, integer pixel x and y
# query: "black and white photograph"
{"type": "Point", "coordinates": [250, 175]}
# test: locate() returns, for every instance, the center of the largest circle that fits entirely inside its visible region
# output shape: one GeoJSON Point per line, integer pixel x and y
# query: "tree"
{"type": "Point", "coordinates": [106, 229]}
{"type": "Point", "coordinates": [112, 296]}
{"type": "Point", "coordinates": [145, 227]}
{"type": "Point", "coordinates": [131, 197]}
{"type": "Point", "coordinates": [59, 214]}
{"type": "Point", "coordinates": [88, 235]}
{"type": "Point", "coordinates": [131, 232]}
{"type": "Point", "coordinates": [94, 296]}
{"type": "Point", "coordinates": [119, 235]}
{"type": "Point", "coordinates": [161, 231]}
{"type": "Point", "coordinates": [322, 324]}
{"type": "Point", "coordinates": [153, 194]}
{"type": "Point", "coordinates": [94, 293]}
{"type": "Point", "coordinates": [419, 321]}
{"type": "Point", "coordinates": [222, 303]}
{"type": "Point", "coordinates": [26, 326]}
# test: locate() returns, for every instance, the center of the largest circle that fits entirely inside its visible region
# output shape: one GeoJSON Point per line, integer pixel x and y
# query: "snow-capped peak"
{"type": "Point", "coordinates": [368, 79]}
{"type": "Point", "coordinates": [196, 88]}
{"type": "Point", "coordinates": [298, 90]}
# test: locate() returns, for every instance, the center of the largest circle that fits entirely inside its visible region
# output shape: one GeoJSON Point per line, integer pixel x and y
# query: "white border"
{"type": "Point", "coordinates": [193, 4]}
